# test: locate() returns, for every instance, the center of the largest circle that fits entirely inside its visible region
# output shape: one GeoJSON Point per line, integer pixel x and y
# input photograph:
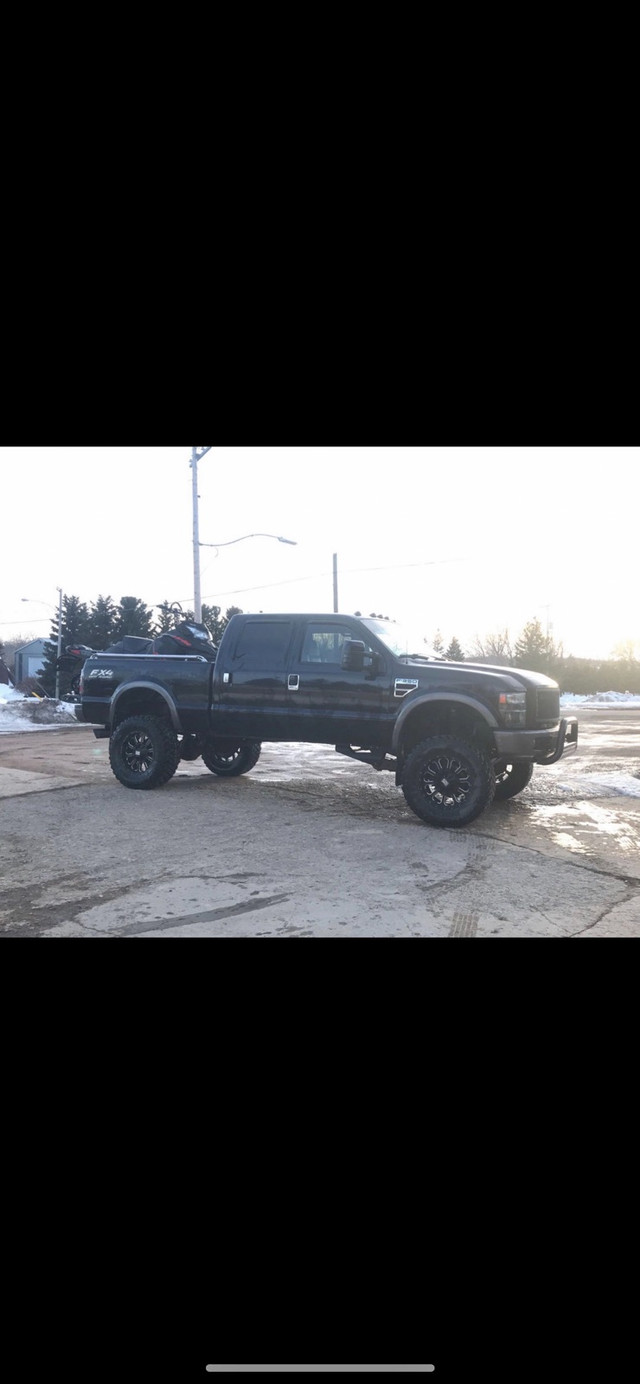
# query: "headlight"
{"type": "Point", "coordinates": [513, 708]}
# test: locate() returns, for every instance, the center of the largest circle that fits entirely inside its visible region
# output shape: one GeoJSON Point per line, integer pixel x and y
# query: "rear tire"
{"type": "Point", "coordinates": [143, 752]}
{"type": "Point", "coordinates": [190, 747]}
{"type": "Point", "coordinates": [229, 758]}
{"type": "Point", "coordinates": [511, 778]}
{"type": "Point", "coordinates": [448, 782]}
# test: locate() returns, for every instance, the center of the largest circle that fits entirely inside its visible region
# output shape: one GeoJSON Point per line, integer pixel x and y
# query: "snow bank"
{"type": "Point", "coordinates": [600, 699]}
{"type": "Point", "coordinates": [616, 782]}
{"type": "Point", "coordinates": [18, 713]}
{"type": "Point", "coordinates": [9, 694]}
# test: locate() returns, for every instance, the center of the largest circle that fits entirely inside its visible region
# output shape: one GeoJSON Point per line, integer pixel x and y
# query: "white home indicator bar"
{"type": "Point", "coordinates": [320, 1369]}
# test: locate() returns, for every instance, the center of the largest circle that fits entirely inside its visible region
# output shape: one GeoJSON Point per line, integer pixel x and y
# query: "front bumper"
{"type": "Point", "coordinates": [542, 746]}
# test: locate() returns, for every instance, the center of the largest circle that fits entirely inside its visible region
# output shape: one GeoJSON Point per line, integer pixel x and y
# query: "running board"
{"type": "Point", "coordinates": [377, 759]}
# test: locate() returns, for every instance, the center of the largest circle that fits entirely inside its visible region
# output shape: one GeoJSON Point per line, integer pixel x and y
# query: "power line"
{"type": "Point", "coordinates": [293, 581]}
{"type": "Point", "coordinates": [33, 620]}
{"type": "Point", "coordinates": [319, 576]}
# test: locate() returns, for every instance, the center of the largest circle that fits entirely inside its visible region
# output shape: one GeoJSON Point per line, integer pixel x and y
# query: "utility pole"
{"type": "Point", "coordinates": [197, 600]}
{"type": "Point", "coordinates": [335, 581]}
{"type": "Point", "coordinates": [59, 590]}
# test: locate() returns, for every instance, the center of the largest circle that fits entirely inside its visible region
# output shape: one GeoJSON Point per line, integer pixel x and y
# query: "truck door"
{"type": "Point", "coordinates": [252, 700]}
{"type": "Point", "coordinates": [330, 704]}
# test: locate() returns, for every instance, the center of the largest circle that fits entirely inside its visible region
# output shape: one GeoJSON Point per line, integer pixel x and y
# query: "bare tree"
{"type": "Point", "coordinates": [495, 648]}
{"type": "Point", "coordinates": [628, 651]}
{"type": "Point", "coordinates": [10, 645]}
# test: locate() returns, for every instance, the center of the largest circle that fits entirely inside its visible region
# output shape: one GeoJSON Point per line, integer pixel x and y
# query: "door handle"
{"type": "Point", "coordinates": [293, 682]}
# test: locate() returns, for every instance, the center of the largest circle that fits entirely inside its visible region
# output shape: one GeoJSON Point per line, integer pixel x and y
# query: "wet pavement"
{"type": "Point", "coordinates": [312, 844]}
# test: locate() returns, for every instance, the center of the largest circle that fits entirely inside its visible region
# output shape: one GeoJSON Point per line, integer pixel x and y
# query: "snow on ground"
{"type": "Point", "coordinates": [18, 713]}
{"type": "Point", "coordinates": [594, 699]}
{"type": "Point", "coordinates": [611, 782]}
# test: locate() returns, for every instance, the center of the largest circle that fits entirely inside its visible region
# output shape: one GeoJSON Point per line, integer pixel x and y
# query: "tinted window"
{"type": "Point", "coordinates": [323, 643]}
{"type": "Point", "coordinates": [262, 645]}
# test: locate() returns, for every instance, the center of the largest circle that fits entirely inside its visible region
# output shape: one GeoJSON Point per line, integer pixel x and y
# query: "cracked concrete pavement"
{"type": "Point", "coordinates": [312, 844]}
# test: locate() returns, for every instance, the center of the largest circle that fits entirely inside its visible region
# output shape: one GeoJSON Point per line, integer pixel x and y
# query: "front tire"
{"type": "Point", "coordinates": [229, 758]}
{"type": "Point", "coordinates": [448, 782]}
{"type": "Point", "coordinates": [511, 778]}
{"type": "Point", "coordinates": [143, 752]}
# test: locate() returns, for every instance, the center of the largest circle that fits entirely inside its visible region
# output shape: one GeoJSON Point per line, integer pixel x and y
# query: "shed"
{"type": "Point", "coordinates": [29, 660]}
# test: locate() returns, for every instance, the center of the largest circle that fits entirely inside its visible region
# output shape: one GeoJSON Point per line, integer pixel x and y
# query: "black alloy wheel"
{"type": "Point", "coordinates": [229, 758]}
{"type": "Point", "coordinates": [447, 781]}
{"type": "Point", "coordinates": [143, 752]}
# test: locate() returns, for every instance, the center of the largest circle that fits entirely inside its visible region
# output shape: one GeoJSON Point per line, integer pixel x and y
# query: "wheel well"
{"type": "Point", "coordinates": [140, 702]}
{"type": "Point", "coordinates": [447, 718]}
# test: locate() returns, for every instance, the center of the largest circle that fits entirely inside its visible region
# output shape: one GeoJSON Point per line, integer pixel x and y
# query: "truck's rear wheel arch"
{"type": "Point", "coordinates": [144, 701]}
{"type": "Point", "coordinates": [444, 717]}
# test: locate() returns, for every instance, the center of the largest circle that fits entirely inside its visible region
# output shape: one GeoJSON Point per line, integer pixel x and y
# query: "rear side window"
{"type": "Point", "coordinates": [263, 645]}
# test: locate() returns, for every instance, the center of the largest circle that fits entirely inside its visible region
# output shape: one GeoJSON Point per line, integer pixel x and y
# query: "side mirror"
{"type": "Point", "coordinates": [353, 655]}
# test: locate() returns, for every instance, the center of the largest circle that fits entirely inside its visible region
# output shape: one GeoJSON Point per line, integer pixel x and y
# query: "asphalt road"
{"type": "Point", "coordinates": [311, 844]}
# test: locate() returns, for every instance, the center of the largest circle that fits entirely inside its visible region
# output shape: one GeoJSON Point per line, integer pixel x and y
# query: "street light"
{"type": "Point", "coordinates": [196, 453]}
{"type": "Point", "coordinates": [277, 536]}
{"type": "Point", "coordinates": [30, 601]}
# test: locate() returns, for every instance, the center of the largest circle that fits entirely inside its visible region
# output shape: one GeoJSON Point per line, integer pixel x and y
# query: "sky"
{"type": "Point", "coordinates": [467, 541]}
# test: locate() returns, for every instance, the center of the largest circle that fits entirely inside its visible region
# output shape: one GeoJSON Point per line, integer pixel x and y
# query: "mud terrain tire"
{"type": "Point", "coordinates": [447, 781]}
{"type": "Point", "coordinates": [229, 758]}
{"type": "Point", "coordinates": [511, 778]}
{"type": "Point", "coordinates": [143, 752]}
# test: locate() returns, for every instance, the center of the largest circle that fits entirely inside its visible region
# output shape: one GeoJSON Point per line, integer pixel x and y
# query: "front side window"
{"type": "Point", "coordinates": [324, 643]}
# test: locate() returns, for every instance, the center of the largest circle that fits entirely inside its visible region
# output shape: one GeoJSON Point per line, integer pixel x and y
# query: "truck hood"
{"type": "Point", "coordinates": [522, 677]}
{"type": "Point", "coordinates": [526, 674]}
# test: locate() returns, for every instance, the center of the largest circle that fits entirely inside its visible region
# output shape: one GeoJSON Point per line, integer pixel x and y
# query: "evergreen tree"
{"type": "Point", "coordinates": [102, 623]}
{"type": "Point", "coordinates": [437, 644]}
{"type": "Point", "coordinates": [132, 617]}
{"type": "Point", "coordinates": [454, 652]}
{"type": "Point", "coordinates": [216, 622]}
{"type": "Point", "coordinates": [76, 629]}
{"type": "Point", "coordinates": [535, 649]}
{"type": "Point", "coordinates": [167, 619]}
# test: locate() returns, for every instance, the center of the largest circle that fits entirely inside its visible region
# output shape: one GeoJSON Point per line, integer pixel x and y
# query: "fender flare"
{"type": "Point", "coordinates": [148, 687]}
{"type": "Point", "coordinates": [410, 706]}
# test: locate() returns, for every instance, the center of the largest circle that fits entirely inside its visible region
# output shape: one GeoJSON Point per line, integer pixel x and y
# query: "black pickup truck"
{"type": "Point", "coordinates": [456, 735]}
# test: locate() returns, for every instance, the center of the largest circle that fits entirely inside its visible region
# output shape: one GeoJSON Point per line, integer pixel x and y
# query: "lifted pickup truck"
{"type": "Point", "coordinates": [456, 735]}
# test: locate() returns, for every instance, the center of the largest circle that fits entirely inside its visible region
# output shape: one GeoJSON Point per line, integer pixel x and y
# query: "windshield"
{"type": "Point", "coordinates": [199, 632]}
{"type": "Point", "coordinates": [402, 640]}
